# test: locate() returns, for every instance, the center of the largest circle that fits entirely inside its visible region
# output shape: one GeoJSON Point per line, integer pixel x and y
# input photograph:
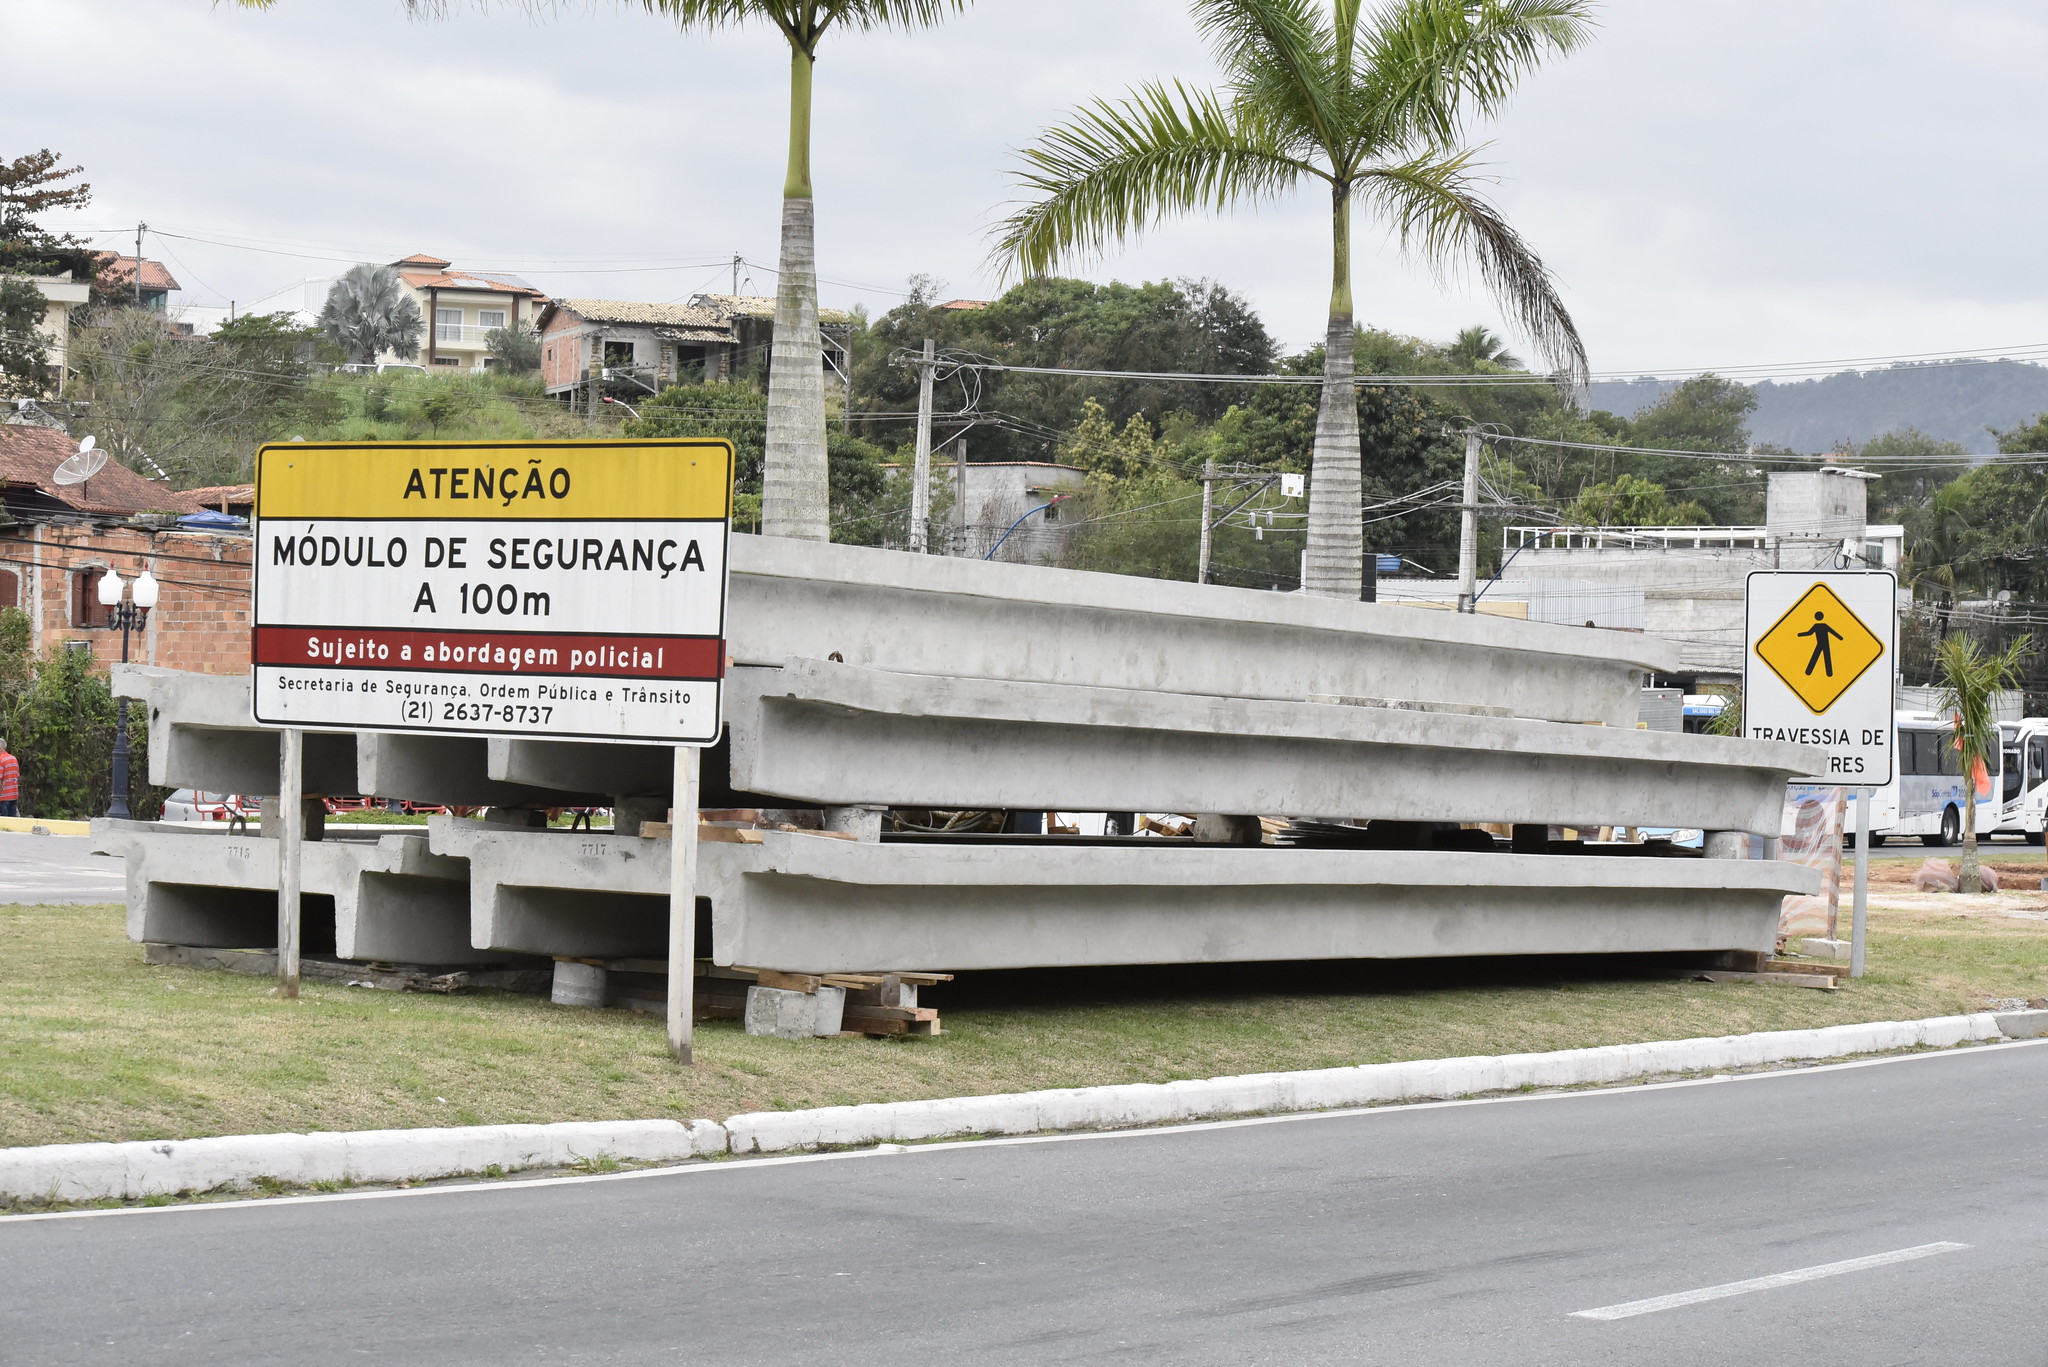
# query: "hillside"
{"type": "Point", "coordinates": [1947, 400]}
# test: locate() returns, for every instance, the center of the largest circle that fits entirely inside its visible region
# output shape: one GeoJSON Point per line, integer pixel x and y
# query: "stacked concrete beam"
{"type": "Point", "coordinates": [820, 732]}
{"type": "Point", "coordinates": [869, 678]}
{"type": "Point", "coordinates": [394, 901]}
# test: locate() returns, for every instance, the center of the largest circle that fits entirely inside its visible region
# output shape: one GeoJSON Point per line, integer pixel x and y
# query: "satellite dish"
{"type": "Point", "coordinates": [81, 467]}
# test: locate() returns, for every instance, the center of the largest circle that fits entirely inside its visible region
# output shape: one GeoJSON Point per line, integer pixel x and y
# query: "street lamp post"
{"type": "Point", "coordinates": [128, 616]}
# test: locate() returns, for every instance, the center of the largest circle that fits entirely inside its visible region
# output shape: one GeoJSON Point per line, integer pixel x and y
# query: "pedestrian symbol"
{"type": "Point", "coordinates": [1819, 648]}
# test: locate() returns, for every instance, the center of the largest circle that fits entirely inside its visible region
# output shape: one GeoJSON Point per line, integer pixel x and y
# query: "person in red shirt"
{"type": "Point", "coordinates": [10, 782]}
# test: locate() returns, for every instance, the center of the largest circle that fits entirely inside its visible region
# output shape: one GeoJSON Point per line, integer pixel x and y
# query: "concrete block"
{"type": "Point", "coordinates": [820, 731]}
{"type": "Point", "coordinates": [1822, 948]}
{"type": "Point", "coordinates": [784, 1014]}
{"type": "Point", "coordinates": [387, 896]}
{"type": "Point", "coordinates": [2023, 1024]}
{"type": "Point", "coordinates": [578, 984]}
{"type": "Point", "coordinates": [940, 615]}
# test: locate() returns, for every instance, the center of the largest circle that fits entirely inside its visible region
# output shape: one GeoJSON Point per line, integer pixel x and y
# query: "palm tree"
{"type": "Point", "coordinates": [1476, 344]}
{"type": "Point", "coordinates": [795, 496]}
{"type": "Point", "coordinates": [1373, 109]}
{"type": "Point", "coordinates": [369, 312]}
{"type": "Point", "coordinates": [1970, 676]}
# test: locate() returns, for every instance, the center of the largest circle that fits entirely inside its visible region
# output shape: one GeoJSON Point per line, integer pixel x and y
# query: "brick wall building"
{"type": "Point", "coordinates": [61, 539]}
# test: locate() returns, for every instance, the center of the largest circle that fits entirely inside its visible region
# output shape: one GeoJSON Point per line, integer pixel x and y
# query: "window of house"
{"type": "Point", "coordinates": [447, 360]}
{"type": "Point", "coordinates": [618, 353]}
{"type": "Point", "coordinates": [1052, 512]}
{"type": "Point", "coordinates": [87, 611]}
{"type": "Point", "coordinates": [490, 318]}
{"type": "Point", "coordinates": [447, 325]}
{"type": "Point", "coordinates": [10, 589]}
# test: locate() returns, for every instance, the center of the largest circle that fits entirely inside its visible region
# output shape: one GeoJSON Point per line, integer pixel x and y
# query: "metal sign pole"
{"type": "Point", "coordinates": [1862, 897]}
{"type": "Point", "coordinates": [291, 821]}
{"type": "Point", "coordinates": [682, 905]}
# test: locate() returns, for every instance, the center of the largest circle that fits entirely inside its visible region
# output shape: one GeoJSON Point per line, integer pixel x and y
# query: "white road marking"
{"type": "Point", "coordinates": [702, 1167]}
{"type": "Point", "coordinates": [1771, 1283]}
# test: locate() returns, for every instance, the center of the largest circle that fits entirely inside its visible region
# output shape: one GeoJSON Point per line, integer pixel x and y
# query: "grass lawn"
{"type": "Point", "coordinates": [95, 1045]}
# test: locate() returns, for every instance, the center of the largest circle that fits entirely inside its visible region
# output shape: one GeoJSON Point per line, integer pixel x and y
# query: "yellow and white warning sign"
{"type": "Point", "coordinates": [1820, 665]}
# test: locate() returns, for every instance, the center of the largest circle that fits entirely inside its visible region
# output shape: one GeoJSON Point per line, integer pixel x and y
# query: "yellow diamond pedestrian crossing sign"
{"type": "Point", "coordinates": [1819, 648]}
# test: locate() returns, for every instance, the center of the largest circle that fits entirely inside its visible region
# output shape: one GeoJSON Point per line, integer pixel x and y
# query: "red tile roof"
{"type": "Point", "coordinates": [215, 496]}
{"type": "Point", "coordinates": [422, 259]}
{"type": "Point", "coordinates": [463, 280]}
{"type": "Point", "coordinates": [30, 455]}
{"type": "Point", "coordinates": [122, 268]}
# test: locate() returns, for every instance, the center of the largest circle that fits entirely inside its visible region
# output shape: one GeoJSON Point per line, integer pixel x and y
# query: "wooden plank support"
{"type": "Point", "coordinates": [1825, 982]}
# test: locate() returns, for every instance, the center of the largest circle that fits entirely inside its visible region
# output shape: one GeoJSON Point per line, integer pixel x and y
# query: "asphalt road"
{"type": "Point", "coordinates": [1466, 1234]}
{"type": "Point", "coordinates": [56, 868]}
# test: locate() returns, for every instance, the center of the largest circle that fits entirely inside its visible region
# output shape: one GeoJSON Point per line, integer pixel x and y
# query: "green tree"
{"type": "Point", "coordinates": [1928, 463]}
{"type": "Point", "coordinates": [24, 346]}
{"type": "Point", "coordinates": [1971, 677]}
{"type": "Point", "coordinates": [368, 312]}
{"type": "Point", "coordinates": [516, 349]}
{"type": "Point", "coordinates": [1161, 326]}
{"type": "Point", "coordinates": [1632, 501]}
{"type": "Point", "coordinates": [195, 408]}
{"type": "Point", "coordinates": [32, 185]}
{"type": "Point", "coordinates": [1373, 109]}
{"type": "Point", "coordinates": [1706, 413]}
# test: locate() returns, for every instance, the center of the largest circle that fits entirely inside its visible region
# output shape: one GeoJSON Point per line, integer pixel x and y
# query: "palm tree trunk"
{"type": "Point", "coordinates": [795, 490]}
{"type": "Point", "coordinates": [1968, 880]}
{"type": "Point", "coordinates": [1335, 564]}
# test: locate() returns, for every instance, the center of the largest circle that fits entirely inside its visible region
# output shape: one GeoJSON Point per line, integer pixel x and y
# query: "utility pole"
{"type": "Point", "coordinates": [1211, 477]}
{"type": "Point", "coordinates": [960, 498]}
{"type": "Point", "coordinates": [735, 274]}
{"type": "Point", "coordinates": [921, 467]}
{"type": "Point", "coordinates": [138, 263]}
{"type": "Point", "coordinates": [1468, 528]}
{"type": "Point", "coordinates": [1208, 526]}
{"type": "Point", "coordinates": [596, 375]}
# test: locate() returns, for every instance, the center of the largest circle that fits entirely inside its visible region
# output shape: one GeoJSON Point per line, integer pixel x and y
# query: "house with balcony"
{"type": "Point", "coordinates": [713, 337]}
{"type": "Point", "coordinates": [461, 309]}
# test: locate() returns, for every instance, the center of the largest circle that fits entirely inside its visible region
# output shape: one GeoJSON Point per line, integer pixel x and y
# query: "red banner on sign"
{"type": "Point", "coordinates": [493, 652]}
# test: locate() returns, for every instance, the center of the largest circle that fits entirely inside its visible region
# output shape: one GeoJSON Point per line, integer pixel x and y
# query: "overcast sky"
{"type": "Point", "coordinates": [1715, 184]}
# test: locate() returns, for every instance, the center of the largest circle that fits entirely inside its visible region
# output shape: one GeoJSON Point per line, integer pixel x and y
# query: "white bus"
{"type": "Point", "coordinates": [1926, 797]}
{"type": "Point", "coordinates": [2023, 793]}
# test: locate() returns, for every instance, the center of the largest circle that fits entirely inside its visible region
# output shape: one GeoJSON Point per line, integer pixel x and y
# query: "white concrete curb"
{"type": "Point", "coordinates": [1328, 1088]}
{"type": "Point", "coordinates": [86, 1172]}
